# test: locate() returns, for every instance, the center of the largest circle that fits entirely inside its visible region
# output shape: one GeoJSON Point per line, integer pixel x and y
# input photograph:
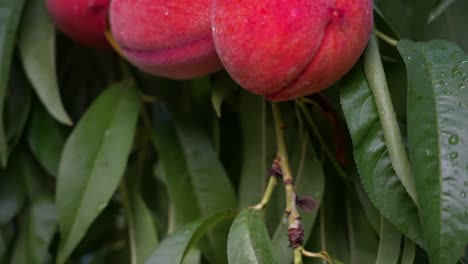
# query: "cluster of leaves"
{"type": "Point", "coordinates": [104, 164]}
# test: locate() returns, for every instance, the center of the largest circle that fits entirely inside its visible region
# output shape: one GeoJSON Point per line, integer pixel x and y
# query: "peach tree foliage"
{"type": "Point", "coordinates": [104, 163]}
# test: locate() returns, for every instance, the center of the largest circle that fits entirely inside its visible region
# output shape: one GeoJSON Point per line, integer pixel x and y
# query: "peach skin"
{"type": "Point", "coordinates": [84, 21]}
{"type": "Point", "coordinates": [169, 38]}
{"type": "Point", "coordinates": [284, 49]}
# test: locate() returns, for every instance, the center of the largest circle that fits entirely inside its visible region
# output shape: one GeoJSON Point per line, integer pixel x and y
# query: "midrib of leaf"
{"type": "Point", "coordinates": [252, 249]}
{"type": "Point", "coordinates": [82, 191]}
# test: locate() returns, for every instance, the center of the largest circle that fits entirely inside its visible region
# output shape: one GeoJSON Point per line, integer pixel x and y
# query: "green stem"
{"type": "Point", "coordinates": [378, 84]}
{"type": "Point", "coordinates": [294, 218]}
{"type": "Point", "coordinates": [298, 256]}
{"type": "Point", "coordinates": [268, 192]}
{"type": "Point", "coordinates": [386, 38]}
{"type": "Point", "coordinates": [323, 144]}
{"type": "Point", "coordinates": [321, 255]}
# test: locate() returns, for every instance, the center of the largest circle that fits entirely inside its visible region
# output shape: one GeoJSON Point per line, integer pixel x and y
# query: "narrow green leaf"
{"type": "Point", "coordinates": [373, 215]}
{"type": "Point", "coordinates": [438, 9]}
{"type": "Point", "coordinates": [93, 161]}
{"type": "Point", "coordinates": [330, 233]}
{"type": "Point", "coordinates": [10, 14]}
{"type": "Point", "coordinates": [309, 182]}
{"type": "Point", "coordinates": [46, 139]}
{"type": "Point", "coordinates": [206, 224]}
{"type": "Point", "coordinates": [363, 241]}
{"type": "Point", "coordinates": [37, 50]}
{"type": "Point", "coordinates": [177, 247]}
{"type": "Point", "coordinates": [371, 155]}
{"type": "Point", "coordinates": [437, 137]}
{"type": "Point", "coordinates": [173, 165]}
{"type": "Point", "coordinates": [389, 246]}
{"type": "Point", "coordinates": [36, 230]}
{"type": "Point", "coordinates": [254, 168]}
{"type": "Point", "coordinates": [223, 86]}
{"type": "Point", "coordinates": [409, 252]}
{"type": "Point", "coordinates": [197, 181]}
{"type": "Point", "coordinates": [12, 193]}
{"type": "Point", "coordinates": [213, 189]}
{"type": "Point", "coordinates": [142, 231]}
{"type": "Point", "coordinates": [248, 240]}
{"type": "Point", "coordinates": [171, 249]}
{"type": "Point", "coordinates": [18, 105]}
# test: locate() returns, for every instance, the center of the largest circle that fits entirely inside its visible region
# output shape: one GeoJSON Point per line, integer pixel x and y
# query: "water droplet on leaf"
{"type": "Point", "coordinates": [454, 155]}
{"type": "Point", "coordinates": [453, 139]}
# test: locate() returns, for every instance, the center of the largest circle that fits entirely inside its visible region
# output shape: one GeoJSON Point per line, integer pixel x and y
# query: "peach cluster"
{"type": "Point", "coordinates": [278, 49]}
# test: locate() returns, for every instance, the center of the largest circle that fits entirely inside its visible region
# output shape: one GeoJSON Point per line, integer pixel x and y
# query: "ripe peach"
{"type": "Point", "coordinates": [170, 38]}
{"type": "Point", "coordinates": [84, 21]}
{"type": "Point", "coordinates": [283, 49]}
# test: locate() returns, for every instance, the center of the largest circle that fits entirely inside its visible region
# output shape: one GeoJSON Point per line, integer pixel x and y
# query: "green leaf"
{"type": "Point", "coordinates": [18, 105]}
{"type": "Point", "coordinates": [142, 231]}
{"type": "Point", "coordinates": [363, 241]}
{"type": "Point", "coordinates": [206, 224]}
{"type": "Point", "coordinates": [437, 137]}
{"type": "Point", "coordinates": [93, 161]}
{"type": "Point", "coordinates": [173, 165]}
{"type": "Point", "coordinates": [248, 240]}
{"type": "Point", "coordinates": [10, 14]}
{"type": "Point", "coordinates": [389, 246]}
{"type": "Point", "coordinates": [196, 178]}
{"type": "Point", "coordinates": [309, 181]}
{"type": "Point", "coordinates": [176, 247]}
{"type": "Point", "coordinates": [213, 189]}
{"type": "Point", "coordinates": [371, 155]}
{"type": "Point", "coordinates": [46, 139]}
{"type": "Point", "coordinates": [3, 247]}
{"type": "Point", "coordinates": [409, 252]}
{"type": "Point", "coordinates": [170, 251]}
{"type": "Point", "coordinates": [36, 230]}
{"type": "Point", "coordinates": [223, 86]}
{"type": "Point", "coordinates": [37, 50]}
{"type": "Point", "coordinates": [373, 215]}
{"type": "Point", "coordinates": [12, 193]}
{"type": "Point", "coordinates": [438, 9]}
{"type": "Point", "coordinates": [254, 170]}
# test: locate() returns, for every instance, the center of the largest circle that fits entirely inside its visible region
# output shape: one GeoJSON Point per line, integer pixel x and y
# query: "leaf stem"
{"type": "Point", "coordinates": [295, 229]}
{"type": "Point", "coordinates": [322, 255]}
{"type": "Point", "coordinates": [386, 38]}
{"type": "Point", "coordinates": [378, 85]}
{"type": "Point", "coordinates": [268, 192]}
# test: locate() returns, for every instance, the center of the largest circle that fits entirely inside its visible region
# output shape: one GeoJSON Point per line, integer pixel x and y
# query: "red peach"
{"type": "Point", "coordinates": [84, 21]}
{"type": "Point", "coordinates": [284, 49]}
{"type": "Point", "coordinates": [170, 38]}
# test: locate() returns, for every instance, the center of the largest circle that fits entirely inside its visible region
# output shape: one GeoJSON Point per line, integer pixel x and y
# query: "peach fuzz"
{"type": "Point", "coordinates": [286, 49]}
{"type": "Point", "coordinates": [84, 21]}
{"type": "Point", "coordinates": [169, 38]}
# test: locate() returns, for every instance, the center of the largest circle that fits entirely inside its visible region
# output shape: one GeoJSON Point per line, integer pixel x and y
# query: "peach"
{"type": "Point", "coordinates": [84, 21]}
{"type": "Point", "coordinates": [169, 38]}
{"type": "Point", "coordinates": [284, 49]}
